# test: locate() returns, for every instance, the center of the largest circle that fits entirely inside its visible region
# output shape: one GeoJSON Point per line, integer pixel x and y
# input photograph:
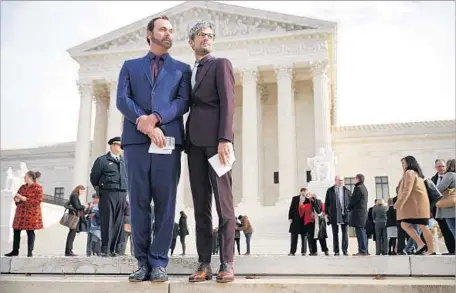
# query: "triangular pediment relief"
{"type": "Point", "coordinates": [229, 20]}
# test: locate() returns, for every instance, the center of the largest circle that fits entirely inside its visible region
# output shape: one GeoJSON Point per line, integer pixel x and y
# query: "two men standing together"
{"type": "Point", "coordinates": [154, 92]}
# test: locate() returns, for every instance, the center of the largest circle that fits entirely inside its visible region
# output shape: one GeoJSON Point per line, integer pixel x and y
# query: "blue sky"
{"type": "Point", "coordinates": [396, 60]}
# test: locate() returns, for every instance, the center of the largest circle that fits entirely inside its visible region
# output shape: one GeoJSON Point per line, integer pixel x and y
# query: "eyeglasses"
{"type": "Point", "coordinates": [202, 35]}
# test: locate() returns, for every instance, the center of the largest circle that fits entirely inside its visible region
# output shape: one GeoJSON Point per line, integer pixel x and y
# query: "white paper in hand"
{"type": "Point", "coordinates": [166, 150]}
{"type": "Point", "coordinates": [218, 167]}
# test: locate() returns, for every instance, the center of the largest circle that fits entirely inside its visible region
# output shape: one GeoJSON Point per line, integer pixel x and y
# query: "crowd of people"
{"type": "Point", "coordinates": [399, 226]}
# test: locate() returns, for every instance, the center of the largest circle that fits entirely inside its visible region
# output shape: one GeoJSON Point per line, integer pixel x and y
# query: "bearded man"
{"type": "Point", "coordinates": [152, 94]}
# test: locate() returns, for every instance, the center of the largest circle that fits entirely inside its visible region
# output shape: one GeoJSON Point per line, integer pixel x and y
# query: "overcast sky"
{"type": "Point", "coordinates": [396, 60]}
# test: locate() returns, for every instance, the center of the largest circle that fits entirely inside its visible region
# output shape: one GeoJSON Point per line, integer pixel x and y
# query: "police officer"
{"type": "Point", "coordinates": [109, 178]}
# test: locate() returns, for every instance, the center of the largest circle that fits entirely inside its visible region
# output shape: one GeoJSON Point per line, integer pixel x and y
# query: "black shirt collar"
{"type": "Point", "coordinates": [152, 56]}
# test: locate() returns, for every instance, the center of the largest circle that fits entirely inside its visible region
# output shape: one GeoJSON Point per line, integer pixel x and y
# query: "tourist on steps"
{"type": "Point", "coordinates": [380, 217]}
{"type": "Point", "coordinates": [358, 214]}
{"type": "Point", "coordinates": [75, 207]}
{"type": "Point", "coordinates": [183, 231]}
{"type": "Point", "coordinates": [448, 237]}
{"type": "Point", "coordinates": [446, 206]}
{"type": "Point", "coordinates": [94, 228]}
{"type": "Point", "coordinates": [391, 228]}
{"type": "Point", "coordinates": [308, 207]}
{"type": "Point", "coordinates": [247, 228]}
{"type": "Point", "coordinates": [28, 212]}
{"type": "Point", "coordinates": [336, 208]}
{"type": "Point", "coordinates": [412, 205]}
{"type": "Point", "coordinates": [297, 224]}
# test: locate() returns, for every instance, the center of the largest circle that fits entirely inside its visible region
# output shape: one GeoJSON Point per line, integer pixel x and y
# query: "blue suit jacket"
{"type": "Point", "coordinates": [168, 96]}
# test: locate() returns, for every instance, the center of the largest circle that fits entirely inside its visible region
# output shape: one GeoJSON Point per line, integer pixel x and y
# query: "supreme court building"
{"type": "Point", "coordinates": [286, 107]}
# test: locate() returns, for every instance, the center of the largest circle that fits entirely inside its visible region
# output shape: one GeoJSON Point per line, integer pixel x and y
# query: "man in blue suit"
{"type": "Point", "coordinates": [152, 94]}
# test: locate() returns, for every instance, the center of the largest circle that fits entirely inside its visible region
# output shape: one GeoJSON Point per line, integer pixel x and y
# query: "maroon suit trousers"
{"type": "Point", "coordinates": [203, 182]}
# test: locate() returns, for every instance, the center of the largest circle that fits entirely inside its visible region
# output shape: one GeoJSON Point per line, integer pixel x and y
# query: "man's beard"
{"type": "Point", "coordinates": [203, 51]}
{"type": "Point", "coordinates": [162, 42]}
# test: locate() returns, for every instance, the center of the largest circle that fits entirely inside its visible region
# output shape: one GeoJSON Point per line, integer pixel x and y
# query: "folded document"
{"type": "Point", "coordinates": [218, 167]}
{"type": "Point", "coordinates": [166, 150]}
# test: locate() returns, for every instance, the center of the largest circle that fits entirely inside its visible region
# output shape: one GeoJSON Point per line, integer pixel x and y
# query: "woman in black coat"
{"type": "Point", "coordinates": [75, 207]}
{"type": "Point", "coordinates": [183, 230]}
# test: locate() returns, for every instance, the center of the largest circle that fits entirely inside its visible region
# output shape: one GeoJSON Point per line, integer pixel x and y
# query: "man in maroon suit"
{"type": "Point", "coordinates": [210, 132]}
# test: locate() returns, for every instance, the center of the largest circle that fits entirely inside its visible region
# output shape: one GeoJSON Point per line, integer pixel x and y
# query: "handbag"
{"type": "Point", "coordinates": [448, 199]}
{"type": "Point", "coordinates": [434, 194]}
{"type": "Point", "coordinates": [69, 220]}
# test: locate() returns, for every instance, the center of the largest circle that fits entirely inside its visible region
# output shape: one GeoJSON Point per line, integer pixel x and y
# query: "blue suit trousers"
{"type": "Point", "coordinates": [152, 177]}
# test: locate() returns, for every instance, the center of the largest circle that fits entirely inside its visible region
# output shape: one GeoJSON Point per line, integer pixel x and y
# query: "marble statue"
{"type": "Point", "coordinates": [9, 181]}
{"type": "Point", "coordinates": [322, 165]}
{"type": "Point", "coordinates": [17, 177]}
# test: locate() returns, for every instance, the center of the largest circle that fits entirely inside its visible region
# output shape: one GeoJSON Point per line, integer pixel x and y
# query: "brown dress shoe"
{"type": "Point", "coordinates": [203, 273]}
{"type": "Point", "coordinates": [226, 273]}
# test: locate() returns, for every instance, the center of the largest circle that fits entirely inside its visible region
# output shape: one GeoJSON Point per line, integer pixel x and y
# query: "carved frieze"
{"type": "Point", "coordinates": [303, 45]}
{"type": "Point", "coordinates": [226, 25]}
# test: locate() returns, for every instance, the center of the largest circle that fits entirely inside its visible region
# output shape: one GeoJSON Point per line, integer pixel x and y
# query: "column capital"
{"type": "Point", "coordinates": [319, 68]}
{"type": "Point", "coordinates": [249, 74]}
{"type": "Point", "coordinates": [85, 87]}
{"type": "Point", "coordinates": [283, 71]}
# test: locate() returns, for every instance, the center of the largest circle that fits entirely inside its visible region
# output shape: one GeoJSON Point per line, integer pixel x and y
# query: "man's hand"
{"type": "Point", "coordinates": [16, 199]}
{"type": "Point", "coordinates": [224, 152]}
{"type": "Point", "coordinates": [156, 136]}
{"type": "Point", "coordinates": [146, 123]}
{"type": "Point", "coordinates": [290, 220]}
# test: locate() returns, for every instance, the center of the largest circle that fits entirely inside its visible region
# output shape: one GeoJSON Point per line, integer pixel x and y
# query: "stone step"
{"type": "Point", "coordinates": [275, 265]}
{"type": "Point", "coordinates": [102, 284]}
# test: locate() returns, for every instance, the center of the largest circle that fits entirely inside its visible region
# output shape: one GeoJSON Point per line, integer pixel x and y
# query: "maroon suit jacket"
{"type": "Point", "coordinates": [212, 104]}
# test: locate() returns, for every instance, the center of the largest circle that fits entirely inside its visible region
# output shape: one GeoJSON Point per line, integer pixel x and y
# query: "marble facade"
{"type": "Point", "coordinates": [272, 58]}
{"type": "Point", "coordinates": [286, 107]}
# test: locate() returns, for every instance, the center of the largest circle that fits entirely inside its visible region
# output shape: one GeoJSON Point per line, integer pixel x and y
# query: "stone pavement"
{"type": "Point", "coordinates": [105, 284]}
{"type": "Point", "coordinates": [272, 274]}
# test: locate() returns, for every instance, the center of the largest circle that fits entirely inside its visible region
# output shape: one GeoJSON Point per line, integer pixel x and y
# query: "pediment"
{"type": "Point", "coordinates": [229, 20]}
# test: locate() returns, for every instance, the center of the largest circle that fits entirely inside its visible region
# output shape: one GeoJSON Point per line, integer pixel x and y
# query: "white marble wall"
{"type": "Point", "coordinates": [374, 157]}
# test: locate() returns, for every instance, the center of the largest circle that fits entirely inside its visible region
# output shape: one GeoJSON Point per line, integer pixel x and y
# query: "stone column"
{"type": "Point", "coordinates": [321, 108]}
{"type": "Point", "coordinates": [250, 145]}
{"type": "Point", "coordinates": [261, 94]}
{"type": "Point", "coordinates": [286, 132]}
{"type": "Point", "coordinates": [114, 115]}
{"type": "Point", "coordinates": [81, 158]}
{"type": "Point", "coordinates": [99, 136]}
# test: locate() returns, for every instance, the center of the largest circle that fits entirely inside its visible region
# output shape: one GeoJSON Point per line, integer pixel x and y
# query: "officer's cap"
{"type": "Point", "coordinates": [114, 140]}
